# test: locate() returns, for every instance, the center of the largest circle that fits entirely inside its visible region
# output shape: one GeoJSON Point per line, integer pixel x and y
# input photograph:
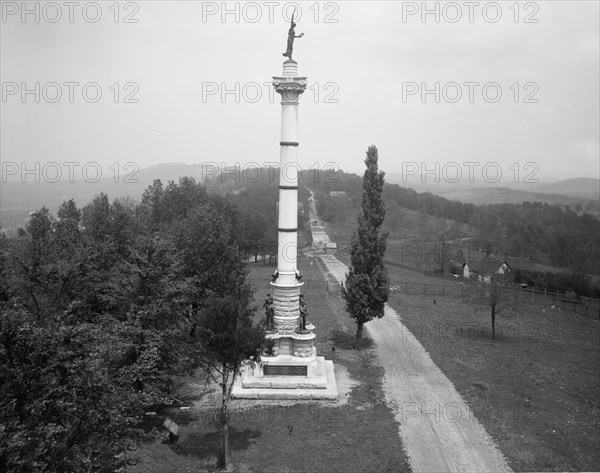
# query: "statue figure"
{"type": "Point", "coordinates": [269, 312]}
{"type": "Point", "coordinates": [290, 41]}
{"type": "Point", "coordinates": [303, 312]}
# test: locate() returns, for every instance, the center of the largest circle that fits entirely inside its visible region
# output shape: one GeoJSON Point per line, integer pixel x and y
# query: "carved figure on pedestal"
{"type": "Point", "coordinates": [269, 312]}
{"type": "Point", "coordinates": [303, 312]}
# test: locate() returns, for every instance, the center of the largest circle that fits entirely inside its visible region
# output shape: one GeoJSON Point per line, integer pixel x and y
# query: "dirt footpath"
{"type": "Point", "coordinates": [439, 431]}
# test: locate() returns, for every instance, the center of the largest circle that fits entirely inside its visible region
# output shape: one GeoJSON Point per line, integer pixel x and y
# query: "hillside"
{"type": "Point", "coordinates": [536, 232]}
{"type": "Point", "coordinates": [583, 191]}
{"type": "Point", "coordinates": [585, 187]}
{"type": "Point", "coordinates": [18, 199]}
{"type": "Point", "coordinates": [505, 195]}
{"type": "Point", "coordinates": [562, 236]}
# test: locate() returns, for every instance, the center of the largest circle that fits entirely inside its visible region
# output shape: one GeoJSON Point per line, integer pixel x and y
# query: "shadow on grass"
{"type": "Point", "coordinates": [346, 341]}
{"type": "Point", "coordinates": [204, 445]}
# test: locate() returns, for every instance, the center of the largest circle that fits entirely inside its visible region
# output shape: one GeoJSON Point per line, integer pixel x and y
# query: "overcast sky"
{"type": "Point", "coordinates": [366, 62]}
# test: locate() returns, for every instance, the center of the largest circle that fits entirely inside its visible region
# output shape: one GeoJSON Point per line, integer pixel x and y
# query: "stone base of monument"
{"type": "Point", "coordinates": [288, 377]}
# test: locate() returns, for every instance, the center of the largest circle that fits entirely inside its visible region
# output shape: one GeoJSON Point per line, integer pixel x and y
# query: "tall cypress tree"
{"type": "Point", "coordinates": [367, 290]}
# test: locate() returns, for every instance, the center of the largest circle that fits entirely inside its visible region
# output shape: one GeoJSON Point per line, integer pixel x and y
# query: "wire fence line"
{"type": "Point", "coordinates": [586, 306]}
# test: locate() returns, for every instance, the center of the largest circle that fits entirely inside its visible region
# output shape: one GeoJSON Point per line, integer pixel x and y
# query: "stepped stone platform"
{"type": "Point", "coordinates": [287, 382]}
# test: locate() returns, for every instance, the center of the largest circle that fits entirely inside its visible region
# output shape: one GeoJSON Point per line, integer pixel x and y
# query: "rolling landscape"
{"type": "Point", "coordinates": [20, 195]}
{"type": "Point", "coordinates": [429, 239]}
{"type": "Point", "coordinates": [385, 257]}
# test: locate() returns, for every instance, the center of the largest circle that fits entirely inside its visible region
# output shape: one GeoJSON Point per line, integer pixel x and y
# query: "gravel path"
{"type": "Point", "coordinates": [438, 429]}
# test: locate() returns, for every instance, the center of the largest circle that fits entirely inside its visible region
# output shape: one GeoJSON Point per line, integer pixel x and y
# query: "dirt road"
{"type": "Point", "coordinates": [438, 429]}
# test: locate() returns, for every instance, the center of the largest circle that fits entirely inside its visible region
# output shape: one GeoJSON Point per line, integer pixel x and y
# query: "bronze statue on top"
{"type": "Point", "coordinates": [290, 41]}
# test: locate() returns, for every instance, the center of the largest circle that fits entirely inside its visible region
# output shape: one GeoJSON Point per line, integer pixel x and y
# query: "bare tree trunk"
{"type": "Point", "coordinates": [493, 321]}
{"type": "Point", "coordinates": [224, 429]}
{"type": "Point", "coordinates": [35, 302]}
{"type": "Point", "coordinates": [224, 447]}
{"type": "Point", "coordinates": [359, 332]}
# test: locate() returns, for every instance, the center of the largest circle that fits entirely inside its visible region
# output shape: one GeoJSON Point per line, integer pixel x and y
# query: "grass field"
{"type": "Point", "coordinates": [535, 388]}
{"type": "Point", "coordinates": [358, 434]}
{"type": "Point", "coordinates": [410, 226]}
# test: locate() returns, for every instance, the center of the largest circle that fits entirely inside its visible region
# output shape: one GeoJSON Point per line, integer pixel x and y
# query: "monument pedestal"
{"type": "Point", "coordinates": [281, 377]}
{"type": "Point", "coordinates": [294, 372]}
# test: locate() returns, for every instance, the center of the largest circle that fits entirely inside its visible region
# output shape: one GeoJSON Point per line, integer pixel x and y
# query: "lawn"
{"type": "Point", "coordinates": [357, 434]}
{"type": "Point", "coordinates": [535, 388]}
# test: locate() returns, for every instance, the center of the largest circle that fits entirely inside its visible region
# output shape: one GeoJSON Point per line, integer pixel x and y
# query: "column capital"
{"type": "Point", "coordinates": [290, 88]}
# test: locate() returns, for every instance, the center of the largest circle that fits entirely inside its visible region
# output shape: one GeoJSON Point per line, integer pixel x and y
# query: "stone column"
{"type": "Point", "coordinates": [286, 287]}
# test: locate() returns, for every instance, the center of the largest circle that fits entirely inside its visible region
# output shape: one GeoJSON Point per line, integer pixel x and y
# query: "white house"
{"type": "Point", "coordinates": [486, 268]}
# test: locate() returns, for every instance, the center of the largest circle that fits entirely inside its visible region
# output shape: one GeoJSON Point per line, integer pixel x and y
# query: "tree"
{"type": "Point", "coordinates": [209, 248]}
{"type": "Point", "coordinates": [150, 209]}
{"type": "Point", "coordinates": [496, 294]}
{"type": "Point", "coordinates": [443, 254]}
{"type": "Point", "coordinates": [31, 278]}
{"type": "Point", "coordinates": [180, 199]}
{"type": "Point", "coordinates": [227, 339]}
{"type": "Point", "coordinates": [99, 308]}
{"type": "Point", "coordinates": [96, 218]}
{"type": "Point", "coordinates": [518, 278]}
{"type": "Point", "coordinates": [4, 268]}
{"type": "Point", "coordinates": [68, 400]}
{"type": "Point", "coordinates": [67, 236]}
{"type": "Point", "coordinates": [367, 290]}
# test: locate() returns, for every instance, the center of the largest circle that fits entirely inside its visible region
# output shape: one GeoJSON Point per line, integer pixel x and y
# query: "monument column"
{"type": "Point", "coordinates": [286, 284]}
{"type": "Point", "coordinates": [292, 370]}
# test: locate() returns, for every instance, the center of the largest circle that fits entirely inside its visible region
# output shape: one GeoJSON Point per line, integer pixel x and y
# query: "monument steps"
{"type": "Point", "coordinates": [298, 388]}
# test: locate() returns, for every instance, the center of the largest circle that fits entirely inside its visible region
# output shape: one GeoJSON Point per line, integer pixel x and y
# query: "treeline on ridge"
{"type": "Point", "coordinates": [567, 239]}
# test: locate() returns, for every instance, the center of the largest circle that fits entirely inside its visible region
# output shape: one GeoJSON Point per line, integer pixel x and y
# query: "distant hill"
{"type": "Point", "coordinates": [584, 187]}
{"type": "Point", "coordinates": [561, 231]}
{"type": "Point", "coordinates": [582, 190]}
{"type": "Point", "coordinates": [504, 195]}
{"type": "Point", "coordinates": [18, 199]}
